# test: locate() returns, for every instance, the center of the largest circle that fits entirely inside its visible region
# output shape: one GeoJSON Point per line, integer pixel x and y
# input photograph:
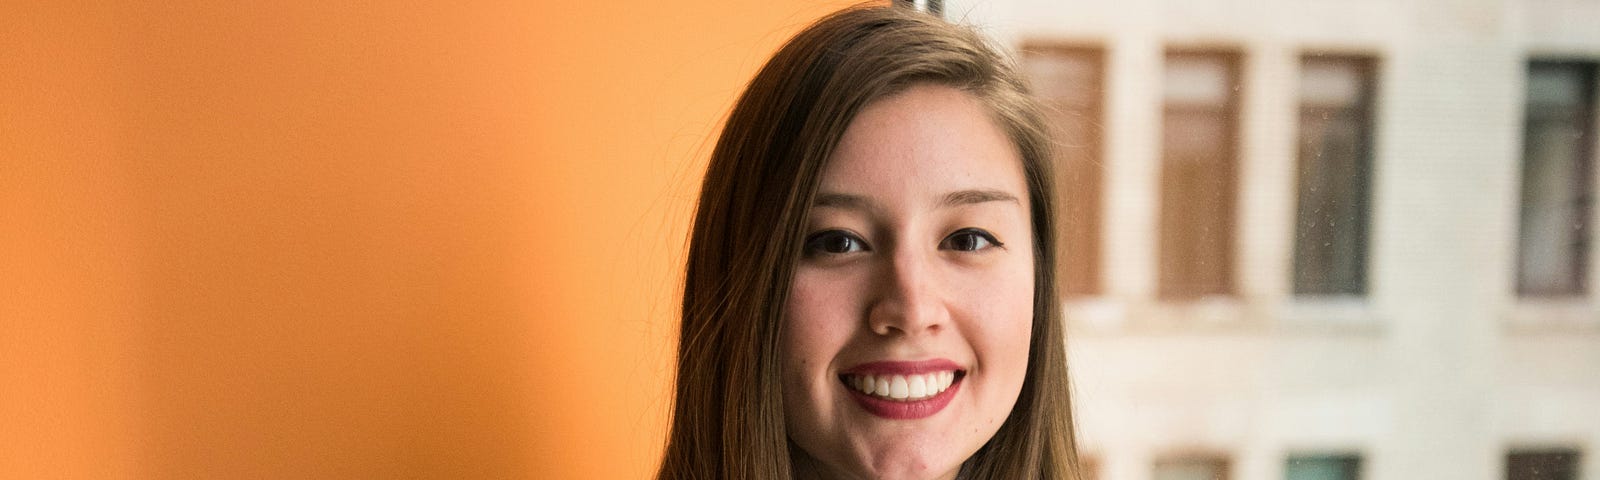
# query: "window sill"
{"type": "Point", "coordinates": [1292, 315]}
{"type": "Point", "coordinates": [1331, 314]}
{"type": "Point", "coordinates": [1534, 316]}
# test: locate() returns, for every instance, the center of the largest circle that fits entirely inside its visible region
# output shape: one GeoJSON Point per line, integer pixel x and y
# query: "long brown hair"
{"type": "Point", "coordinates": [728, 420]}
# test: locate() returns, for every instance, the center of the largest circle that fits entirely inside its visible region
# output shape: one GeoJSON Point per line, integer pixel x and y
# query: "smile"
{"type": "Point", "coordinates": [898, 390]}
{"type": "Point", "coordinates": [904, 388]}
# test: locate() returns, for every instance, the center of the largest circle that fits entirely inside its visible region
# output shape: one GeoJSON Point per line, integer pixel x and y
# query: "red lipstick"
{"type": "Point", "coordinates": [902, 409]}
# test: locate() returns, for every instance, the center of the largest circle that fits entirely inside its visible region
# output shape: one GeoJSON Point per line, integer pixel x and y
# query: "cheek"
{"type": "Point", "coordinates": [816, 326]}
{"type": "Point", "coordinates": [1005, 331]}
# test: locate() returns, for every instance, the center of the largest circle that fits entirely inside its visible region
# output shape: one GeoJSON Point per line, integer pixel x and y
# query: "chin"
{"type": "Point", "coordinates": [913, 466]}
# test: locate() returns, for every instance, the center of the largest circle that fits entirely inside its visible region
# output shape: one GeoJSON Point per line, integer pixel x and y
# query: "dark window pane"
{"type": "Point", "coordinates": [1553, 239]}
{"type": "Point", "coordinates": [1323, 467]}
{"type": "Point", "coordinates": [1558, 464]}
{"type": "Point", "coordinates": [1330, 254]}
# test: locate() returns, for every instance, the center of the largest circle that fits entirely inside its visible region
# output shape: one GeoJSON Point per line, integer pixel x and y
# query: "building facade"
{"type": "Point", "coordinates": [1313, 239]}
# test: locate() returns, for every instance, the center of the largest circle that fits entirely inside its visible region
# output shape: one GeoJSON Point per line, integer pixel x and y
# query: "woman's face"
{"type": "Point", "coordinates": [907, 327]}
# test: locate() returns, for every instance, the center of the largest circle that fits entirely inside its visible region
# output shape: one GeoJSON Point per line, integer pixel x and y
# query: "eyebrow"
{"type": "Point", "coordinates": [970, 197]}
{"type": "Point", "coordinates": [952, 199]}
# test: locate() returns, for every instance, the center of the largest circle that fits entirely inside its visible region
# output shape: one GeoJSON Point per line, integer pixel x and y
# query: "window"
{"type": "Point", "coordinates": [1198, 177]}
{"type": "Point", "coordinates": [1330, 242]}
{"type": "Point", "coordinates": [1554, 464]}
{"type": "Point", "coordinates": [1323, 467]}
{"type": "Point", "coordinates": [1557, 163]}
{"type": "Point", "coordinates": [1070, 80]}
{"type": "Point", "coordinates": [1192, 468]}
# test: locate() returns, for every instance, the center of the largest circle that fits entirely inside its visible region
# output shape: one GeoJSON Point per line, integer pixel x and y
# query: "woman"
{"type": "Point", "coordinates": [869, 290]}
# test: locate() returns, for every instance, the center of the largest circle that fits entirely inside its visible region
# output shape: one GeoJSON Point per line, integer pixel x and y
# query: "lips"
{"type": "Point", "coordinates": [903, 390]}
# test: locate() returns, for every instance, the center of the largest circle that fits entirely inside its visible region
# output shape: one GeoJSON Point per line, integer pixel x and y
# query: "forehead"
{"type": "Point", "coordinates": [929, 138]}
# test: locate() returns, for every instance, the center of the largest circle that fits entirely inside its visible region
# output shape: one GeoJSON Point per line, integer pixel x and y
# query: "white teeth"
{"type": "Point", "coordinates": [902, 387]}
{"type": "Point", "coordinates": [918, 386]}
{"type": "Point", "coordinates": [898, 389]}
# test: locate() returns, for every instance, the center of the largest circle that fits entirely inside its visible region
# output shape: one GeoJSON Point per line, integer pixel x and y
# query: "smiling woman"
{"type": "Point", "coordinates": [870, 288]}
{"type": "Point", "coordinates": [927, 281]}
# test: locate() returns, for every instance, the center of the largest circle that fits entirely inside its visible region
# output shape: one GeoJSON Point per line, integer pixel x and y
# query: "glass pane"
{"type": "Point", "coordinates": [1335, 159]}
{"type": "Point", "coordinates": [1067, 77]}
{"type": "Point", "coordinates": [1198, 178]}
{"type": "Point", "coordinates": [1195, 137]}
{"type": "Point", "coordinates": [1557, 164]}
{"type": "Point", "coordinates": [1332, 82]}
{"type": "Point", "coordinates": [1557, 464]}
{"type": "Point", "coordinates": [1323, 467]}
{"type": "Point", "coordinates": [1069, 81]}
{"type": "Point", "coordinates": [1555, 84]}
{"type": "Point", "coordinates": [1197, 79]}
{"type": "Point", "coordinates": [1191, 469]}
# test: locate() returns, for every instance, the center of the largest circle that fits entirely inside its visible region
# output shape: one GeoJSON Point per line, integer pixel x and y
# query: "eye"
{"type": "Point", "coordinates": [833, 242]}
{"type": "Point", "coordinates": [969, 240]}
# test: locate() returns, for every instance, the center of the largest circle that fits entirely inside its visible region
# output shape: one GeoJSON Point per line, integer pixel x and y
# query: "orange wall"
{"type": "Point", "coordinates": [301, 240]}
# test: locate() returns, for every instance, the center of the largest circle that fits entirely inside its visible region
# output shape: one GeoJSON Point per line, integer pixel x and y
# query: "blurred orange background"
{"type": "Point", "coordinates": [311, 240]}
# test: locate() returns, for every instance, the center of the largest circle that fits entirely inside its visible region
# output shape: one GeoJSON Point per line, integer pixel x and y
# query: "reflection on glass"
{"type": "Point", "coordinates": [1198, 177]}
{"type": "Point", "coordinates": [1555, 464]}
{"type": "Point", "coordinates": [1330, 249]}
{"type": "Point", "coordinates": [1323, 467]}
{"type": "Point", "coordinates": [1556, 168]}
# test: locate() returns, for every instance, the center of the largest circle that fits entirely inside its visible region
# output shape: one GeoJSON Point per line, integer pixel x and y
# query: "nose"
{"type": "Point", "coordinates": [908, 301]}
